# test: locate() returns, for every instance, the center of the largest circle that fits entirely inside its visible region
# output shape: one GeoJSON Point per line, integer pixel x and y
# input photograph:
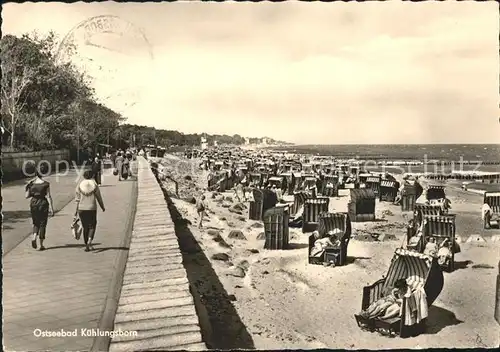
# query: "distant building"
{"type": "Point", "coordinates": [264, 141]}
{"type": "Point", "coordinates": [247, 140]}
{"type": "Point", "coordinates": [215, 144]}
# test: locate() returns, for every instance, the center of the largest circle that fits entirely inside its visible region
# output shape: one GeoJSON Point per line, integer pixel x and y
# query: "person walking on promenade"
{"type": "Point", "coordinates": [41, 205]}
{"type": "Point", "coordinates": [119, 164]}
{"type": "Point", "coordinates": [125, 169]}
{"type": "Point", "coordinates": [97, 169]}
{"type": "Point", "coordinates": [88, 195]}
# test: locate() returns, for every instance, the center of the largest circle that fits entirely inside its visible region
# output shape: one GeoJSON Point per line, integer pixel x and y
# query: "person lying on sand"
{"type": "Point", "coordinates": [388, 306]}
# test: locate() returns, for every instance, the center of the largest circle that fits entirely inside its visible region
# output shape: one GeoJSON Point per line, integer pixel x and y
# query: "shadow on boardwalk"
{"type": "Point", "coordinates": [221, 326]}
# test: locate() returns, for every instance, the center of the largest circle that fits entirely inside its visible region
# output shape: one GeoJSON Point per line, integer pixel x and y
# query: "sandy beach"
{"type": "Point", "coordinates": [283, 302]}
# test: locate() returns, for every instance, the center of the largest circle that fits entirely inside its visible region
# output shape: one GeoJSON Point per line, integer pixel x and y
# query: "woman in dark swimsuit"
{"type": "Point", "coordinates": [40, 205]}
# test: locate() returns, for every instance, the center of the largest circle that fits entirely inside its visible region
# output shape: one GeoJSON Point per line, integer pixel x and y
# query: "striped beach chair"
{"type": "Point", "coordinates": [255, 180]}
{"type": "Point", "coordinates": [288, 182]}
{"type": "Point", "coordinates": [388, 190]}
{"type": "Point", "coordinates": [361, 206]}
{"type": "Point", "coordinates": [373, 182]}
{"type": "Point", "coordinates": [329, 222]}
{"type": "Point", "coordinates": [312, 208]}
{"type": "Point", "coordinates": [422, 210]}
{"type": "Point", "coordinates": [441, 228]}
{"type": "Point", "coordinates": [493, 201]}
{"type": "Point", "coordinates": [330, 191]}
{"type": "Point", "coordinates": [263, 200]}
{"type": "Point", "coordinates": [408, 198]}
{"type": "Point", "coordinates": [276, 228]}
{"type": "Point", "coordinates": [421, 273]}
{"type": "Point", "coordinates": [299, 199]}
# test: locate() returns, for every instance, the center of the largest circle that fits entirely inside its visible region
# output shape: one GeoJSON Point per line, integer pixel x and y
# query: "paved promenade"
{"type": "Point", "coordinates": [15, 208]}
{"type": "Point", "coordinates": [62, 287]}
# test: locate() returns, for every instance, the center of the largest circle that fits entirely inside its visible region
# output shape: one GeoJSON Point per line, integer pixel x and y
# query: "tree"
{"type": "Point", "coordinates": [16, 77]}
{"type": "Point", "coordinates": [39, 94]}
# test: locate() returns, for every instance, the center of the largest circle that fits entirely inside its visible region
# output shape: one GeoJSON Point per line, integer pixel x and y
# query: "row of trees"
{"type": "Point", "coordinates": [51, 105]}
{"type": "Point", "coordinates": [148, 135]}
{"type": "Point", "coordinates": [45, 104]}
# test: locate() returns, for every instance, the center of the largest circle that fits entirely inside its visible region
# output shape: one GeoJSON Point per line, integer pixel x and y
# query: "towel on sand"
{"type": "Point", "coordinates": [416, 308]}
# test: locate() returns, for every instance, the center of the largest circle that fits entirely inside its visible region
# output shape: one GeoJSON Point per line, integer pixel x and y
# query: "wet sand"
{"type": "Point", "coordinates": [280, 301]}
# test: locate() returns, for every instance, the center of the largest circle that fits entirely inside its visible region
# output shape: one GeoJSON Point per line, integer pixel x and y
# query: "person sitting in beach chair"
{"type": "Point", "coordinates": [431, 248]}
{"type": "Point", "coordinates": [388, 306]}
{"type": "Point", "coordinates": [414, 233]}
{"type": "Point", "coordinates": [331, 239]}
{"type": "Point", "coordinates": [399, 195]}
{"type": "Point", "coordinates": [444, 253]}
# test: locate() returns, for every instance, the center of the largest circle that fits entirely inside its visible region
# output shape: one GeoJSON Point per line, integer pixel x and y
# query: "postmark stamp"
{"type": "Point", "coordinates": [114, 53]}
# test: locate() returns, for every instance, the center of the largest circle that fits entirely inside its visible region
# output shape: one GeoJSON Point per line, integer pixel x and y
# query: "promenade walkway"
{"type": "Point", "coordinates": [63, 287]}
{"type": "Point", "coordinates": [15, 208]}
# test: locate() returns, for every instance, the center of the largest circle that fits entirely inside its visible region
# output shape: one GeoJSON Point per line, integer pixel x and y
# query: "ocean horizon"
{"type": "Point", "coordinates": [456, 152]}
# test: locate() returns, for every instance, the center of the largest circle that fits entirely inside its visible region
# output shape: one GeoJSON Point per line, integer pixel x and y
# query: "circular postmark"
{"type": "Point", "coordinates": [115, 53]}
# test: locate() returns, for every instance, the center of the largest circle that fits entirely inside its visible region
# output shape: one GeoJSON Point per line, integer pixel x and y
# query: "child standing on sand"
{"type": "Point", "coordinates": [200, 209]}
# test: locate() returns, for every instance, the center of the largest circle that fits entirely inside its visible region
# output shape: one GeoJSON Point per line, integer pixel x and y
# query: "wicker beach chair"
{"type": "Point", "coordinates": [408, 198]}
{"type": "Point", "coordinates": [312, 208]}
{"type": "Point", "coordinates": [421, 273]}
{"type": "Point", "coordinates": [290, 182]}
{"type": "Point", "coordinates": [263, 200]}
{"type": "Point", "coordinates": [330, 191]}
{"type": "Point", "coordinates": [373, 182]}
{"type": "Point", "coordinates": [441, 228]}
{"type": "Point", "coordinates": [493, 201]}
{"type": "Point", "coordinates": [332, 255]}
{"type": "Point", "coordinates": [276, 228]}
{"type": "Point", "coordinates": [388, 190]}
{"type": "Point", "coordinates": [361, 206]}
{"type": "Point", "coordinates": [277, 181]}
{"type": "Point", "coordinates": [422, 210]}
{"type": "Point", "coordinates": [299, 199]}
{"type": "Point", "coordinates": [255, 180]}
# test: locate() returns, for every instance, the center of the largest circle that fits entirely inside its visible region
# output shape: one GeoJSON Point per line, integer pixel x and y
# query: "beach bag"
{"type": "Point", "coordinates": [76, 228]}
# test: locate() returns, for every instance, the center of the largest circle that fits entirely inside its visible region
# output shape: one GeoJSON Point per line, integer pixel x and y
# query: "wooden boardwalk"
{"type": "Point", "coordinates": [155, 299]}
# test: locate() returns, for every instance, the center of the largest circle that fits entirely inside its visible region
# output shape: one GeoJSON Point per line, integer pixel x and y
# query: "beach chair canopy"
{"type": "Point", "coordinates": [493, 200]}
{"type": "Point", "coordinates": [331, 221]}
{"type": "Point", "coordinates": [440, 225]}
{"type": "Point", "coordinates": [417, 268]}
{"type": "Point", "coordinates": [362, 194]}
{"type": "Point", "coordinates": [427, 209]}
{"type": "Point", "coordinates": [409, 189]}
{"type": "Point", "coordinates": [389, 184]}
{"type": "Point", "coordinates": [436, 192]}
{"type": "Point", "coordinates": [275, 181]}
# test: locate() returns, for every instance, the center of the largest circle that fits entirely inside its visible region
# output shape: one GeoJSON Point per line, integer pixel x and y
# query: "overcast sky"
{"type": "Point", "coordinates": [319, 73]}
